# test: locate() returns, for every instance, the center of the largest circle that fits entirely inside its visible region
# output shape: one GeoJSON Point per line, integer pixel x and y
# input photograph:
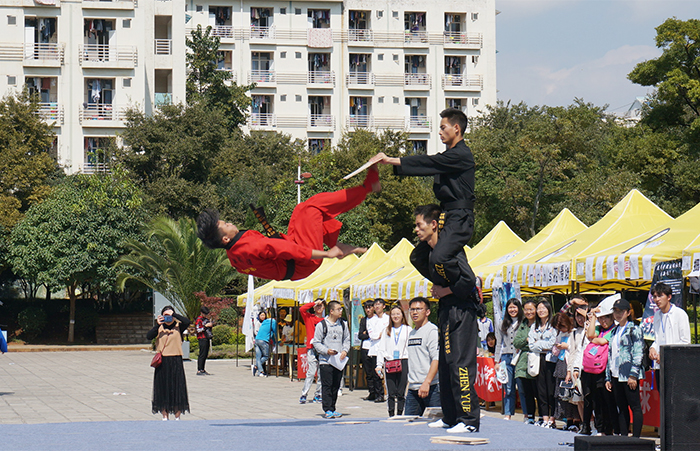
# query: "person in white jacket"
{"type": "Point", "coordinates": [376, 325]}
{"type": "Point", "coordinates": [392, 357]}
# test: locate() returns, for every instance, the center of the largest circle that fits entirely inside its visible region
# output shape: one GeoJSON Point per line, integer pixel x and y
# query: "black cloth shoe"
{"type": "Point", "coordinates": [585, 429]}
{"type": "Point", "coordinates": [370, 398]}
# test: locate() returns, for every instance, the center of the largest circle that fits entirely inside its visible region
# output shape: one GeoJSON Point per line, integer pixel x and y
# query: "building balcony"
{"type": "Point", "coordinates": [262, 121]}
{"type": "Point", "coordinates": [419, 38]}
{"type": "Point", "coordinates": [222, 31]}
{"type": "Point", "coordinates": [100, 115]}
{"type": "Point", "coordinates": [95, 168]}
{"type": "Point", "coordinates": [163, 46]}
{"type": "Point", "coordinates": [98, 56]}
{"type": "Point", "coordinates": [359, 121]}
{"type": "Point", "coordinates": [360, 79]}
{"type": "Point", "coordinates": [321, 122]}
{"type": "Point", "coordinates": [417, 81]}
{"type": "Point", "coordinates": [44, 55]}
{"type": "Point", "coordinates": [264, 33]}
{"type": "Point", "coordinates": [462, 82]}
{"type": "Point", "coordinates": [109, 4]}
{"type": "Point", "coordinates": [163, 98]}
{"type": "Point", "coordinates": [262, 77]}
{"type": "Point", "coordinates": [234, 76]}
{"type": "Point", "coordinates": [40, 3]}
{"type": "Point", "coordinates": [360, 37]}
{"type": "Point", "coordinates": [463, 40]}
{"type": "Point", "coordinates": [394, 123]}
{"type": "Point", "coordinates": [418, 124]}
{"type": "Point", "coordinates": [51, 112]}
{"type": "Point", "coordinates": [323, 79]}
{"type": "Point", "coordinates": [11, 52]}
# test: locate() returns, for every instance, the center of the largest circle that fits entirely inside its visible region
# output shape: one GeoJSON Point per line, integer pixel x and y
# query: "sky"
{"type": "Point", "coordinates": [552, 51]}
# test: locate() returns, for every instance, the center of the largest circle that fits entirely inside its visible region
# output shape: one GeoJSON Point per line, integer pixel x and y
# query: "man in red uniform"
{"type": "Point", "coordinates": [298, 253]}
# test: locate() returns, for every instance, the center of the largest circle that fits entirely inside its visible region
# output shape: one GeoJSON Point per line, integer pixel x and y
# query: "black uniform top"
{"type": "Point", "coordinates": [454, 174]}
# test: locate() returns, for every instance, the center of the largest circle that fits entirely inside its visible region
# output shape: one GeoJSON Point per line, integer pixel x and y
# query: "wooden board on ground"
{"type": "Point", "coordinates": [400, 419]}
{"type": "Point", "coordinates": [459, 440]}
{"type": "Point", "coordinates": [432, 412]}
{"type": "Point", "coordinates": [350, 422]}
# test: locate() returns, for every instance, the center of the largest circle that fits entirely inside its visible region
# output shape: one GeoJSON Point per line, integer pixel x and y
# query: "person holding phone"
{"type": "Point", "coordinates": [169, 383]}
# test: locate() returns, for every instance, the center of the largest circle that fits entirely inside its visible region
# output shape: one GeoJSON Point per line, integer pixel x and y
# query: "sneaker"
{"type": "Point", "coordinates": [573, 428]}
{"type": "Point", "coordinates": [302, 400]}
{"type": "Point", "coordinates": [177, 419]}
{"type": "Point", "coordinates": [262, 374]}
{"type": "Point", "coordinates": [337, 414]}
{"type": "Point", "coordinates": [461, 427]}
{"type": "Point", "coordinates": [371, 397]}
{"type": "Point", "coordinates": [328, 414]}
{"type": "Point", "coordinates": [316, 399]}
{"type": "Point", "coordinates": [530, 421]}
{"type": "Point", "coordinates": [165, 419]}
{"type": "Point", "coordinates": [539, 422]}
{"type": "Point", "coordinates": [340, 393]}
{"type": "Point", "coordinates": [551, 425]}
{"type": "Point", "coordinates": [380, 399]}
{"type": "Point", "coordinates": [438, 424]}
{"type": "Point", "coordinates": [201, 373]}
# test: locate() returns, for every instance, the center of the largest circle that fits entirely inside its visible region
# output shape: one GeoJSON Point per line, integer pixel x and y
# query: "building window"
{"type": "Point", "coordinates": [380, 99]}
{"type": "Point", "coordinates": [297, 98]}
{"type": "Point", "coordinates": [11, 80]}
{"type": "Point", "coordinates": [297, 11]}
{"type": "Point", "coordinates": [297, 55]}
{"type": "Point", "coordinates": [98, 154]}
{"type": "Point", "coordinates": [318, 145]}
{"type": "Point", "coordinates": [283, 11]}
{"type": "Point", "coordinates": [475, 16]}
{"type": "Point", "coordinates": [395, 14]}
{"type": "Point", "coordinates": [283, 98]}
{"type": "Point", "coordinates": [126, 23]}
{"type": "Point", "coordinates": [199, 8]}
{"type": "Point", "coordinates": [380, 14]}
{"type": "Point", "coordinates": [396, 57]}
{"type": "Point", "coordinates": [11, 20]}
{"type": "Point", "coordinates": [475, 59]}
{"type": "Point", "coordinates": [419, 147]}
{"type": "Point", "coordinates": [475, 101]}
{"type": "Point", "coordinates": [319, 18]}
{"type": "Point", "coordinates": [283, 54]}
{"type": "Point", "coordinates": [396, 100]}
{"type": "Point", "coordinates": [126, 82]}
{"type": "Point", "coordinates": [380, 57]}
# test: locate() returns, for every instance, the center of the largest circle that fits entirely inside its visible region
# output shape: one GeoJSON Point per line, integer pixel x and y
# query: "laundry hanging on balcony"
{"type": "Point", "coordinates": [320, 38]}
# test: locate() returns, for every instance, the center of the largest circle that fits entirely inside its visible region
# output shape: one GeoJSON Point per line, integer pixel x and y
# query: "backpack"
{"type": "Point", "coordinates": [325, 327]}
{"type": "Point", "coordinates": [595, 357]}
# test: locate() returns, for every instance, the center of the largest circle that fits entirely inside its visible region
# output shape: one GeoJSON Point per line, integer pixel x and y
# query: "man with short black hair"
{"type": "Point", "coordinates": [331, 338]}
{"type": "Point", "coordinates": [368, 362]}
{"type": "Point", "coordinates": [375, 327]}
{"type": "Point", "coordinates": [423, 356]}
{"type": "Point", "coordinates": [671, 325]}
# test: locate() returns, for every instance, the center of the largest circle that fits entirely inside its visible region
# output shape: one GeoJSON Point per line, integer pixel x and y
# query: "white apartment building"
{"type": "Point", "coordinates": [320, 66]}
{"type": "Point", "coordinates": [89, 60]}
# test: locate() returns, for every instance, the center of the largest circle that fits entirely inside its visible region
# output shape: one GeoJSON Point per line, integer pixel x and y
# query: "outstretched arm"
{"type": "Point", "coordinates": [383, 159]}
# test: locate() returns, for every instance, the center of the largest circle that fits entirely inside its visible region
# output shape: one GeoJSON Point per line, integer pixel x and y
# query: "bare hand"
{"type": "Point", "coordinates": [563, 345]}
{"type": "Point", "coordinates": [654, 355]}
{"type": "Point", "coordinates": [160, 320]}
{"type": "Point", "coordinates": [438, 291]}
{"type": "Point", "coordinates": [632, 383]}
{"type": "Point", "coordinates": [568, 377]}
{"type": "Point", "coordinates": [343, 355]}
{"type": "Point", "coordinates": [608, 386]}
{"type": "Point", "coordinates": [332, 352]}
{"type": "Point", "coordinates": [424, 389]}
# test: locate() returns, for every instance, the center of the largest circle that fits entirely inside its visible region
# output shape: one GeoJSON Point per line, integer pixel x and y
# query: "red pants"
{"type": "Point", "coordinates": [313, 222]}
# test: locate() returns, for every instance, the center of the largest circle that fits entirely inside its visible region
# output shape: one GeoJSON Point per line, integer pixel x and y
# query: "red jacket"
{"type": "Point", "coordinates": [310, 320]}
{"type": "Point", "coordinates": [251, 252]}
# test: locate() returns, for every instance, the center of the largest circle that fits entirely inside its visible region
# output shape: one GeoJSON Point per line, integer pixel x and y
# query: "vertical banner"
{"type": "Point", "coordinates": [671, 274]}
{"type": "Point", "coordinates": [487, 386]}
{"type": "Point", "coordinates": [355, 314]}
{"type": "Point", "coordinates": [302, 363]}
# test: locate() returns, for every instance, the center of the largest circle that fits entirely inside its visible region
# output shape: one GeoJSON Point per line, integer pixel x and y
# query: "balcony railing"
{"type": "Point", "coordinates": [95, 168]}
{"type": "Point", "coordinates": [416, 79]}
{"type": "Point", "coordinates": [360, 121]}
{"type": "Point", "coordinates": [163, 46]}
{"type": "Point", "coordinates": [163, 98]}
{"type": "Point", "coordinates": [257, 32]}
{"type": "Point", "coordinates": [222, 31]}
{"type": "Point", "coordinates": [110, 4]}
{"type": "Point", "coordinates": [360, 35]}
{"type": "Point", "coordinates": [100, 112]}
{"type": "Point", "coordinates": [360, 78]}
{"type": "Point", "coordinates": [322, 121]}
{"type": "Point", "coordinates": [262, 120]}
{"type": "Point", "coordinates": [462, 38]}
{"type": "Point", "coordinates": [46, 52]}
{"type": "Point", "coordinates": [419, 122]}
{"type": "Point", "coordinates": [234, 77]}
{"type": "Point", "coordinates": [468, 82]}
{"type": "Point", "coordinates": [102, 55]}
{"type": "Point", "coordinates": [51, 112]}
{"type": "Point", "coordinates": [262, 76]}
{"type": "Point", "coordinates": [321, 77]}
{"type": "Point", "coordinates": [415, 37]}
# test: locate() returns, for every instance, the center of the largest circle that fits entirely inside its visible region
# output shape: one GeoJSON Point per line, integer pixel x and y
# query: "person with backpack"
{"type": "Point", "coordinates": [331, 339]}
{"type": "Point", "coordinates": [392, 357]}
{"type": "Point", "coordinates": [625, 369]}
{"type": "Point", "coordinates": [593, 361]}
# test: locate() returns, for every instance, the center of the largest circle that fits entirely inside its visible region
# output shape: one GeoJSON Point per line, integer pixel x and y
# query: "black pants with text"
{"type": "Point", "coordinates": [457, 362]}
{"type": "Point", "coordinates": [330, 384]}
{"type": "Point", "coordinates": [203, 353]}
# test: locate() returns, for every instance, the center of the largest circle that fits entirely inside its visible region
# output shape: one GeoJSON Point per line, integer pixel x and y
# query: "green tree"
{"type": "Point", "coordinates": [72, 239]}
{"type": "Point", "coordinates": [533, 161]}
{"type": "Point", "coordinates": [171, 153]}
{"type": "Point", "coordinates": [206, 82]}
{"type": "Point", "coordinates": [173, 261]}
{"type": "Point", "coordinates": [669, 149]}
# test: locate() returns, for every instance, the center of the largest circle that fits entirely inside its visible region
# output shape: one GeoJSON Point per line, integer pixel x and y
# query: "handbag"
{"type": "Point", "coordinates": [158, 358]}
{"type": "Point", "coordinates": [533, 364]}
{"type": "Point", "coordinates": [393, 366]}
{"type": "Point", "coordinates": [516, 357]}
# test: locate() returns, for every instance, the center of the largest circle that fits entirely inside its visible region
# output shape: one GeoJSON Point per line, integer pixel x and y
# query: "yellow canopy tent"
{"type": "Point", "coordinates": [260, 293]}
{"type": "Point", "coordinates": [287, 292]}
{"type": "Point", "coordinates": [691, 260]}
{"type": "Point", "coordinates": [499, 241]}
{"type": "Point", "coordinates": [551, 270]}
{"type": "Point", "coordinates": [563, 226]}
{"type": "Point", "coordinates": [631, 262]}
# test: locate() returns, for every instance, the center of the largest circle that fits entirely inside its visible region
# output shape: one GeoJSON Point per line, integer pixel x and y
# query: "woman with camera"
{"type": "Point", "coordinates": [169, 384]}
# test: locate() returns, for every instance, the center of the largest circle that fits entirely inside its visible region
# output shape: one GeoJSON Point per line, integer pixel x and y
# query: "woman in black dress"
{"type": "Point", "coordinates": [169, 385]}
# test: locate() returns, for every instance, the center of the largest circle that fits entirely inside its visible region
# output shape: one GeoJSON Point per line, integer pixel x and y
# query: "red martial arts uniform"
{"type": "Point", "coordinates": [312, 225]}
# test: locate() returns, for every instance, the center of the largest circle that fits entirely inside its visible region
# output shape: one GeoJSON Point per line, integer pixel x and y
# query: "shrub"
{"type": "Point", "coordinates": [222, 334]}
{"type": "Point", "coordinates": [237, 339]}
{"type": "Point", "coordinates": [228, 316]}
{"type": "Point", "coordinates": [32, 321]}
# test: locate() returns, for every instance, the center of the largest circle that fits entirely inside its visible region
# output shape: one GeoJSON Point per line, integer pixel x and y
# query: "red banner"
{"type": "Point", "coordinates": [651, 406]}
{"type": "Point", "coordinates": [487, 386]}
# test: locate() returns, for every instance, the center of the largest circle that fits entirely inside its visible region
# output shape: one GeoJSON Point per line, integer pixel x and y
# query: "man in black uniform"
{"type": "Point", "coordinates": [444, 263]}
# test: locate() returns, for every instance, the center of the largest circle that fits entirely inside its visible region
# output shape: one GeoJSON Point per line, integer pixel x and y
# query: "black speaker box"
{"type": "Point", "coordinates": [680, 397]}
{"type": "Point", "coordinates": [612, 443]}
